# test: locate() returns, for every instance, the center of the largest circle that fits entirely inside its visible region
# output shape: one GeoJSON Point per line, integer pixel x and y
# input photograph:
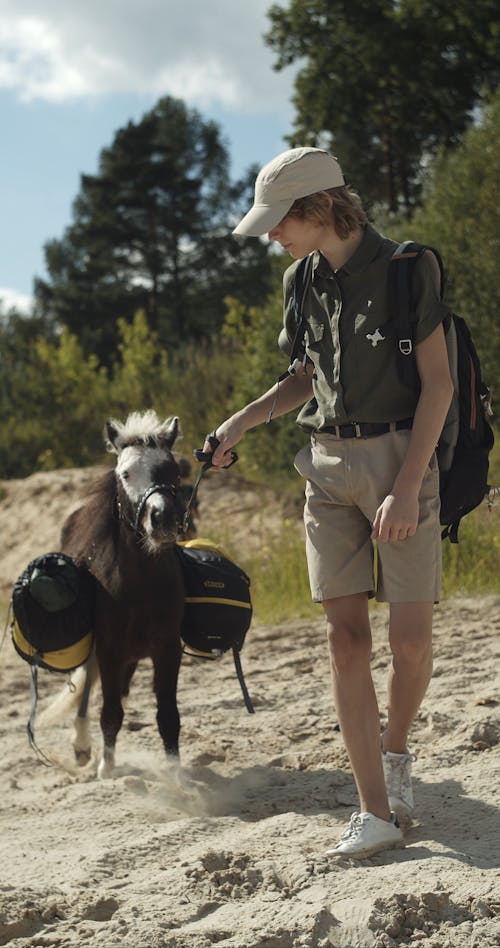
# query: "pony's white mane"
{"type": "Point", "coordinates": [140, 426]}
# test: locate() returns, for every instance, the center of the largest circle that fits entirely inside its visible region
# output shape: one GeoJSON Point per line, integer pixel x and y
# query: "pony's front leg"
{"type": "Point", "coordinates": [166, 672]}
{"type": "Point", "coordinates": [111, 718]}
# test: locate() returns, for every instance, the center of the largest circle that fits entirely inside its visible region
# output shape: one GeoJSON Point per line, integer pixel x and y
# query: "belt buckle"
{"type": "Point", "coordinates": [357, 429]}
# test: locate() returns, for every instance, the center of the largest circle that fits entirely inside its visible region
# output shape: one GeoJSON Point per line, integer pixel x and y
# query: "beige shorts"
{"type": "Point", "coordinates": [347, 480]}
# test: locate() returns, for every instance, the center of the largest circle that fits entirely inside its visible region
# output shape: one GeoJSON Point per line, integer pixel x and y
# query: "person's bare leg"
{"type": "Point", "coordinates": [349, 641]}
{"type": "Point", "coordinates": [410, 638]}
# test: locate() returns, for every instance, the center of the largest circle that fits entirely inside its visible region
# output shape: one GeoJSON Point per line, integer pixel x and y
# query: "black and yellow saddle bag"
{"type": "Point", "coordinates": [218, 607]}
{"type": "Point", "coordinates": [53, 613]}
{"type": "Point", "coordinates": [53, 605]}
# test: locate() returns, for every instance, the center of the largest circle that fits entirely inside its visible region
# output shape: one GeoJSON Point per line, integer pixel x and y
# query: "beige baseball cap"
{"type": "Point", "coordinates": [293, 174]}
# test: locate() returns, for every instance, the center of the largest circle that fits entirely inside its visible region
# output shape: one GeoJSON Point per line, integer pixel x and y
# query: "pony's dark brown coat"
{"type": "Point", "coordinates": [140, 598]}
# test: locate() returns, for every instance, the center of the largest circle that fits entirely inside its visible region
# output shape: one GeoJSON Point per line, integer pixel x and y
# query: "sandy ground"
{"type": "Point", "coordinates": [227, 849]}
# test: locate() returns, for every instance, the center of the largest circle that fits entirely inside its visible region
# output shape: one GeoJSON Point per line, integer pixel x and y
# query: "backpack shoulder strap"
{"type": "Point", "coordinates": [301, 281]}
{"type": "Point", "coordinates": [402, 311]}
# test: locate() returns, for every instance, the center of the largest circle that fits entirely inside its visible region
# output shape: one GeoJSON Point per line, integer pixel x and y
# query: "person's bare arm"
{"type": "Point", "coordinates": [279, 400]}
{"type": "Point", "coordinates": [397, 516]}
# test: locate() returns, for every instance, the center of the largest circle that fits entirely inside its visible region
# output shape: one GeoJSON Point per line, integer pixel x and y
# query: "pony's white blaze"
{"type": "Point", "coordinates": [135, 468]}
{"type": "Point", "coordinates": [139, 468]}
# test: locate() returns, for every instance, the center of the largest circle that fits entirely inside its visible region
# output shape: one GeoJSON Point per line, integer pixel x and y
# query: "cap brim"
{"type": "Point", "coordinates": [261, 218]}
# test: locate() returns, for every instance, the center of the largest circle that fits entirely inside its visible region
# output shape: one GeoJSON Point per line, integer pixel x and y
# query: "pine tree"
{"type": "Point", "coordinates": [152, 231]}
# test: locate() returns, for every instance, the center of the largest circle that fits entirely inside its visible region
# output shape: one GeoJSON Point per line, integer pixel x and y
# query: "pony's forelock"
{"type": "Point", "coordinates": [140, 428]}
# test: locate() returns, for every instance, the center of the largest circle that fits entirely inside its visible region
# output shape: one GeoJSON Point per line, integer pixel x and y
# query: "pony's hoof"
{"type": "Point", "coordinates": [82, 757]}
{"type": "Point", "coordinates": [104, 770]}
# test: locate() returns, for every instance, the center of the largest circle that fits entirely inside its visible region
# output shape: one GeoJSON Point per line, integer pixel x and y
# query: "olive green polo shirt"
{"type": "Point", "coordinates": [355, 367]}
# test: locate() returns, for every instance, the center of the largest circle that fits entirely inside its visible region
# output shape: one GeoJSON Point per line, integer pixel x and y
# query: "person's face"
{"type": "Point", "coordinates": [297, 235]}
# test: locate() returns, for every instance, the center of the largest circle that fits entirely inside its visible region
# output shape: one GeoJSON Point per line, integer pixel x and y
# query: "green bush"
{"type": "Point", "coordinates": [54, 416]}
{"type": "Point", "coordinates": [267, 451]}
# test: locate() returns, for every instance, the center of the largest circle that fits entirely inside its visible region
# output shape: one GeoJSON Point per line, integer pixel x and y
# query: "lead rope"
{"type": "Point", "coordinates": [206, 458]}
{"type": "Point", "coordinates": [185, 520]}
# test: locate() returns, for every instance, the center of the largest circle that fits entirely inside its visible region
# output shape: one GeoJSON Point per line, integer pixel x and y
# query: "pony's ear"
{"type": "Point", "coordinates": [170, 431]}
{"type": "Point", "coordinates": [110, 434]}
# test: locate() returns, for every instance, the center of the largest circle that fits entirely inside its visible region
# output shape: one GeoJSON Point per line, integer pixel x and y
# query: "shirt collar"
{"type": "Point", "coordinates": [360, 259]}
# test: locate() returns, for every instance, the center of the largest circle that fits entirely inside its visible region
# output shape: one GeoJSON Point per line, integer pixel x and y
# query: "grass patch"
{"type": "Point", "coordinates": [472, 567]}
{"type": "Point", "coordinates": [280, 582]}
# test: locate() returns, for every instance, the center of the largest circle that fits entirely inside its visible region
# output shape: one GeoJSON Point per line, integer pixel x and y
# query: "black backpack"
{"type": "Point", "coordinates": [467, 437]}
{"type": "Point", "coordinates": [217, 605]}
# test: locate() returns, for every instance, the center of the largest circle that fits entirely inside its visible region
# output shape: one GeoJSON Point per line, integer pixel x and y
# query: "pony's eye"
{"type": "Point", "coordinates": [124, 475]}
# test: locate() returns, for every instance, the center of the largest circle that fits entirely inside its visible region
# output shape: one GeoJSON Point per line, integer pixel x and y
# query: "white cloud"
{"type": "Point", "coordinates": [205, 52]}
{"type": "Point", "coordinates": [11, 299]}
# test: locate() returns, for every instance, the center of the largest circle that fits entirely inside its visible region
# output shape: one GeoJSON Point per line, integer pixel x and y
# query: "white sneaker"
{"type": "Point", "coordinates": [397, 773]}
{"type": "Point", "coordinates": [367, 834]}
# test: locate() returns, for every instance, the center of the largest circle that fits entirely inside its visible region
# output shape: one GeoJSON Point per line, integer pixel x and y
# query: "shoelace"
{"type": "Point", "coordinates": [354, 824]}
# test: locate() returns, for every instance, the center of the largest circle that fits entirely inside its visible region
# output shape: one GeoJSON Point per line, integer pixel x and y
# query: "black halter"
{"type": "Point", "coordinates": [134, 525]}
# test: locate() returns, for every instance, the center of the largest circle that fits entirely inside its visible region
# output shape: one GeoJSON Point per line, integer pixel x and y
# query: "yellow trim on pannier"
{"type": "Point", "coordinates": [64, 659]}
{"type": "Point", "coordinates": [190, 650]}
{"type": "Point", "coordinates": [201, 543]}
{"type": "Point", "coordinates": [224, 602]}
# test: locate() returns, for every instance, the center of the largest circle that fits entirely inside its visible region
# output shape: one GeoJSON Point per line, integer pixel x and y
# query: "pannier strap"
{"type": "Point", "coordinates": [239, 671]}
{"type": "Point", "coordinates": [30, 727]}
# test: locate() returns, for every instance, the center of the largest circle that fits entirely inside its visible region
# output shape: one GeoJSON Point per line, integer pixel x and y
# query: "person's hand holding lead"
{"type": "Point", "coordinates": [227, 434]}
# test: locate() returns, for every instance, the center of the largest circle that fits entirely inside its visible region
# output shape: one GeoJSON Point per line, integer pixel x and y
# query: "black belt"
{"type": "Point", "coordinates": [367, 429]}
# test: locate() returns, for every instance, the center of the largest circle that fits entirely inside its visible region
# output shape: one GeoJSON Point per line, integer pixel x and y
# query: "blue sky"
{"type": "Point", "coordinates": [71, 74]}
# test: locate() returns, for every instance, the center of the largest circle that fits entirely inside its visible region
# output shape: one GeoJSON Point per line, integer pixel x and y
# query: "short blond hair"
{"type": "Point", "coordinates": [346, 213]}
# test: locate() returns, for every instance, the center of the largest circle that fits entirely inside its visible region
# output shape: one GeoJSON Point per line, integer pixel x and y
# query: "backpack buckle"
{"type": "Point", "coordinates": [405, 346]}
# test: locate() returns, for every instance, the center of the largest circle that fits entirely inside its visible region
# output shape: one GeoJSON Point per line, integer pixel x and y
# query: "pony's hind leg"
{"type": "Point", "coordinates": [81, 732]}
{"type": "Point", "coordinates": [82, 745]}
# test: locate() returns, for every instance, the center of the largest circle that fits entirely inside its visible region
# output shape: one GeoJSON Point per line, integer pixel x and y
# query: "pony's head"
{"type": "Point", "coordinates": [147, 476]}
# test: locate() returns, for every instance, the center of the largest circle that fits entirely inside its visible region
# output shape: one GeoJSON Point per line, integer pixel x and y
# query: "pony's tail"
{"type": "Point", "coordinates": [68, 700]}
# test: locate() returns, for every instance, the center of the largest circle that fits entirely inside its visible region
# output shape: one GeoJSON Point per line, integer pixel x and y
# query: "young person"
{"type": "Point", "coordinates": [370, 467]}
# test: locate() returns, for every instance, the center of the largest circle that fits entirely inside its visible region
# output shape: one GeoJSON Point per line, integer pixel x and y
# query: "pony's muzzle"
{"type": "Point", "coordinates": [161, 520]}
